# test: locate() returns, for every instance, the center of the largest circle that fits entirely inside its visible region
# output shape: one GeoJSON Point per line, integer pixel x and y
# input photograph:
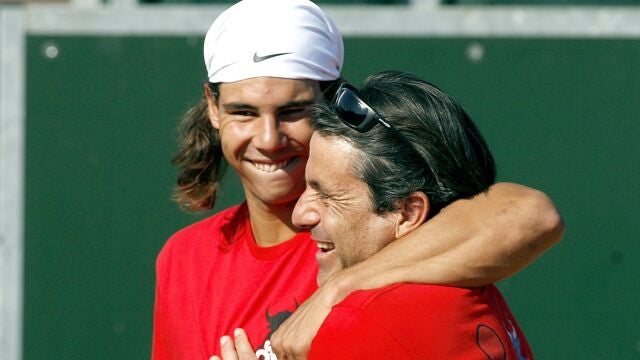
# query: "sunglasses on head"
{"type": "Point", "coordinates": [358, 115]}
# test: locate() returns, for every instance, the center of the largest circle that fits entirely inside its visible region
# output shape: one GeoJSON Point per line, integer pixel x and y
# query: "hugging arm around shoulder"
{"type": "Point", "coordinates": [471, 242]}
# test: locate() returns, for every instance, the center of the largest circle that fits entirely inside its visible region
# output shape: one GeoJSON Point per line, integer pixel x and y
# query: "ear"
{"type": "Point", "coordinates": [212, 105]}
{"type": "Point", "coordinates": [412, 213]}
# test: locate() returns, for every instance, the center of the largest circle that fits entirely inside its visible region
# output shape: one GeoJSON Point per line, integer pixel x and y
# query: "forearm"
{"type": "Point", "coordinates": [470, 243]}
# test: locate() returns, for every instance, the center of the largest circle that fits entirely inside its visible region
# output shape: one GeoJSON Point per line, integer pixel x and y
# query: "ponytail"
{"type": "Point", "coordinates": [199, 159]}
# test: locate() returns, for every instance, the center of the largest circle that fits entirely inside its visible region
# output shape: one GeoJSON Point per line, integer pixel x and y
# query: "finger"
{"type": "Point", "coordinates": [285, 341]}
{"type": "Point", "coordinates": [227, 349]}
{"type": "Point", "coordinates": [243, 346]}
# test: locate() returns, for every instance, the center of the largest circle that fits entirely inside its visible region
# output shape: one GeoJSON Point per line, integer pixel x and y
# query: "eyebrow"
{"type": "Point", "coordinates": [245, 106]}
{"type": "Point", "coordinates": [315, 185]}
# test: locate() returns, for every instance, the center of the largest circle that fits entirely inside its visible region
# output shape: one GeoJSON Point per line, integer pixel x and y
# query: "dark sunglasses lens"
{"type": "Point", "coordinates": [350, 108]}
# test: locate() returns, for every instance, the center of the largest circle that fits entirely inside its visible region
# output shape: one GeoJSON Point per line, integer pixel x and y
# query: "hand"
{"type": "Point", "coordinates": [293, 338]}
{"type": "Point", "coordinates": [238, 348]}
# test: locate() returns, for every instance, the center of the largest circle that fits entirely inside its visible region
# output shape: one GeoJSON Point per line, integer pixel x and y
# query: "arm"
{"type": "Point", "coordinates": [470, 243]}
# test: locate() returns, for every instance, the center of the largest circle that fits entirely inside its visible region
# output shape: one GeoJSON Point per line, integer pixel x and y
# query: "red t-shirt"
{"type": "Point", "coordinates": [412, 321]}
{"type": "Point", "coordinates": [211, 278]}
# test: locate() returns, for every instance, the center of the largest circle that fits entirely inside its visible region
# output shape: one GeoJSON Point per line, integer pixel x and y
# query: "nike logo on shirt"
{"type": "Point", "coordinates": [257, 58]}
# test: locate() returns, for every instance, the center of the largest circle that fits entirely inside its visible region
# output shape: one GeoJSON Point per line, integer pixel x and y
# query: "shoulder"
{"type": "Point", "coordinates": [199, 236]}
{"type": "Point", "coordinates": [401, 307]}
{"type": "Point", "coordinates": [399, 304]}
{"type": "Point", "coordinates": [407, 294]}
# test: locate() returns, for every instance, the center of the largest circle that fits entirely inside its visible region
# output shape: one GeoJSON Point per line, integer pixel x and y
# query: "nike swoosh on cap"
{"type": "Point", "coordinates": [257, 58]}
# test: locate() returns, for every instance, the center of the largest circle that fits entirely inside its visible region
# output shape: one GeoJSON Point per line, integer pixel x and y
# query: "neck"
{"type": "Point", "coordinates": [271, 224]}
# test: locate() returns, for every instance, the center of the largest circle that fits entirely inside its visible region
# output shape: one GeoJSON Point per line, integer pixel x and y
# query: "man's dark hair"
{"type": "Point", "coordinates": [454, 161]}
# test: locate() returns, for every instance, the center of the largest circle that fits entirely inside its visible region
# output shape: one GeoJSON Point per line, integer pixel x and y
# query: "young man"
{"type": "Point", "coordinates": [248, 266]}
{"type": "Point", "coordinates": [401, 164]}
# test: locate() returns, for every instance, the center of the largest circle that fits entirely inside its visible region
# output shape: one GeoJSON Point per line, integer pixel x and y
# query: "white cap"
{"type": "Point", "coordinates": [291, 39]}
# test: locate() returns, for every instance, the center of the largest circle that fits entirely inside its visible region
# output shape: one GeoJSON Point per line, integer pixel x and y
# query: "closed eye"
{"type": "Point", "coordinates": [328, 199]}
{"type": "Point", "coordinates": [240, 109]}
{"type": "Point", "coordinates": [294, 113]}
{"type": "Point", "coordinates": [246, 113]}
{"type": "Point", "coordinates": [323, 196]}
{"type": "Point", "coordinates": [318, 192]}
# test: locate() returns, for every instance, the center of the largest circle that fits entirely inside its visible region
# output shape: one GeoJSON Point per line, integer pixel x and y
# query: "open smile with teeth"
{"type": "Point", "coordinates": [271, 167]}
{"type": "Point", "coordinates": [325, 246]}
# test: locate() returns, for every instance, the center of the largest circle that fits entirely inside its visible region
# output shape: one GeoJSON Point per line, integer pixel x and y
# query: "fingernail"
{"type": "Point", "coordinates": [237, 332]}
{"type": "Point", "coordinates": [224, 340]}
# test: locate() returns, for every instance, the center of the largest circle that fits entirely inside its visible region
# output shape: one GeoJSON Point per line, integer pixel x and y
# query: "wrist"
{"type": "Point", "coordinates": [339, 286]}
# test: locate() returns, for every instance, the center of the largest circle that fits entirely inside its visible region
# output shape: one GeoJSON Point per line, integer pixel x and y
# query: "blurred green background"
{"type": "Point", "coordinates": [561, 115]}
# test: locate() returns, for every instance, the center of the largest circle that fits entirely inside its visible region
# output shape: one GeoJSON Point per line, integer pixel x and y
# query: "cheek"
{"type": "Point", "coordinates": [344, 232]}
{"type": "Point", "coordinates": [364, 237]}
{"type": "Point", "coordinates": [234, 136]}
{"type": "Point", "coordinates": [299, 132]}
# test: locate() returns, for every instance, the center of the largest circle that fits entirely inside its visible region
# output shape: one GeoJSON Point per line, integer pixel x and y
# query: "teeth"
{"type": "Point", "coordinates": [324, 246]}
{"type": "Point", "coordinates": [271, 167]}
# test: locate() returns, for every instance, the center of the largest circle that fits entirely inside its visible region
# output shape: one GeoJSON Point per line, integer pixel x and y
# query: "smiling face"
{"type": "Point", "coordinates": [337, 207]}
{"type": "Point", "coordinates": [265, 132]}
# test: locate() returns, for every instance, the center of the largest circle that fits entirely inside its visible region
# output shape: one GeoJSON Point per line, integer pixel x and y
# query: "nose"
{"type": "Point", "coordinates": [305, 214]}
{"type": "Point", "coordinates": [270, 136]}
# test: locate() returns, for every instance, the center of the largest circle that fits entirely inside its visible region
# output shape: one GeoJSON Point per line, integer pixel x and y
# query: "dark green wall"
{"type": "Point", "coordinates": [560, 115]}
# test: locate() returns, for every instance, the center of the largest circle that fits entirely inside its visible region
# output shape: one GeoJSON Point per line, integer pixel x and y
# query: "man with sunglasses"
{"type": "Point", "coordinates": [249, 266]}
{"type": "Point", "coordinates": [401, 165]}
